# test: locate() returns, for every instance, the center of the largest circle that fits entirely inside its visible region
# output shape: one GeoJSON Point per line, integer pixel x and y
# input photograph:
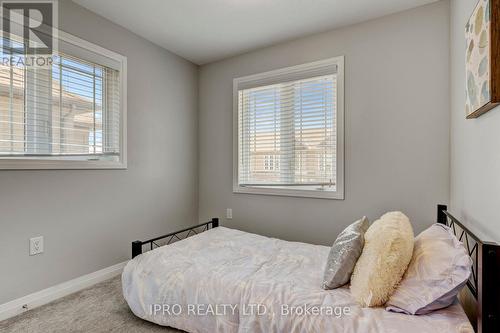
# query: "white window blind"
{"type": "Point", "coordinates": [287, 131]}
{"type": "Point", "coordinates": [71, 108]}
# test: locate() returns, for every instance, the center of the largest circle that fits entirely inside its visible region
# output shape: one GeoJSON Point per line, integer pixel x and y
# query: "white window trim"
{"type": "Point", "coordinates": [41, 163]}
{"type": "Point", "coordinates": [338, 194]}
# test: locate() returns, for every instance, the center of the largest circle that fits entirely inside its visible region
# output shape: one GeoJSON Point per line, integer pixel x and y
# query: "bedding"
{"type": "Point", "coordinates": [225, 280]}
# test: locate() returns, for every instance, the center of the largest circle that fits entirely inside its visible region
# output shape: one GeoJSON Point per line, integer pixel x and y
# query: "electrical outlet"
{"type": "Point", "coordinates": [229, 213]}
{"type": "Point", "coordinates": [36, 245]}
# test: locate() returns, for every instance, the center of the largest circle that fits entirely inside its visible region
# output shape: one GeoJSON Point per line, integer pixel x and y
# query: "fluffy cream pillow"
{"type": "Point", "coordinates": [387, 252]}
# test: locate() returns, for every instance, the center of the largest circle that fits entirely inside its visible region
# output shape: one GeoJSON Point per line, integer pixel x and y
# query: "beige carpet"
{"type": "Point", "coordinates": [100, 308]}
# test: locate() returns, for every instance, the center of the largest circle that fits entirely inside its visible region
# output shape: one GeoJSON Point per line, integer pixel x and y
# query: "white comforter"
{"type": "Point", "coordinates": [225, 280]}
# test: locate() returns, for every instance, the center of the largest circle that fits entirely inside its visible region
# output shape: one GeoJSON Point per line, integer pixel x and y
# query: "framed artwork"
{"type": "Point", "coordinates": [482, 68]}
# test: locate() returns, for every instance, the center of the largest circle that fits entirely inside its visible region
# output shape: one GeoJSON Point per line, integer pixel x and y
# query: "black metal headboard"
{"type": "Point", "coordinates": [484, 283]}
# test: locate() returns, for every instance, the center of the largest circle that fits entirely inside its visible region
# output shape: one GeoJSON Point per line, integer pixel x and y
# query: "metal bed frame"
{"type": "Point", "coordinates": [137, 246]}
{"type": "Point", "coordinates": [484, 282]}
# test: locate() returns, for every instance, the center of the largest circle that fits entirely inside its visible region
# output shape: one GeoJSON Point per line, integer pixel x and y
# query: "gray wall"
{"type": "Point", "coordinates": [397, 149]}
{"type": "Point", "coordinates": [90, 217]}
{"type": "Point", "coordinates": [397, 127]}
{"type": "Point", "coordinates": [475, 144]}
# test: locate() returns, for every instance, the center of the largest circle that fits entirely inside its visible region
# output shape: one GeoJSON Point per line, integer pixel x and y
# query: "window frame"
{"type": "Point", "coordinates": [274, 76]}
{"type": "Point", "coordinates": [87, 161]}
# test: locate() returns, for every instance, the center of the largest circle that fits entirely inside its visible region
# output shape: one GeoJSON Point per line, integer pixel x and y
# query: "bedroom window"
{"type": "Point", "coordinates": [66, 115]}
{"type": "Point", "coordinates": [289, 131]}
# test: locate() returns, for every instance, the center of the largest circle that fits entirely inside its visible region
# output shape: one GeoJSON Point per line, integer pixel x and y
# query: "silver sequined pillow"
{"type": "Point", "coordinates": [344, 254]}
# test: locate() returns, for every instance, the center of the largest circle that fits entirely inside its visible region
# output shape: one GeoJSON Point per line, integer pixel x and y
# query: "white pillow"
{"type": "Point", "coordinates": [388, 250]}
{"type": "Point", "coordinates": [439, 269]}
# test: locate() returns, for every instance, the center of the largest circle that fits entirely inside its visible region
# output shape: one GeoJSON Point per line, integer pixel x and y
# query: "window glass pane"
{"type": "Point", "coordinates": [12, 117]}
{"type": "Point", "coordinates": [287, 134]}
{"type": "Point", "coordinates": [262, 139]}
{"type": "Point", "coordinates": [77, 84]}
{"type": "Point", "coordinates": [314, 131]}
{"type": "Point", "coordinates": [71, 108]}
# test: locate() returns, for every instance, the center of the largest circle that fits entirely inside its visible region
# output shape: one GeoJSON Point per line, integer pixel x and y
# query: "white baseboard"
{"type": "Point", "coordinates": [31, 301]}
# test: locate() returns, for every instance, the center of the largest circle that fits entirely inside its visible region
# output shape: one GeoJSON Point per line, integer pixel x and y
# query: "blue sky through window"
{"type": "Point", "coordinates": [313, 100]}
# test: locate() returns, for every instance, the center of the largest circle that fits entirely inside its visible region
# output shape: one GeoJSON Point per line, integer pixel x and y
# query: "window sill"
{"type": "Point", "coordinates": [51, 164]}
{"type": "Point", "coordinates": [287, 192]}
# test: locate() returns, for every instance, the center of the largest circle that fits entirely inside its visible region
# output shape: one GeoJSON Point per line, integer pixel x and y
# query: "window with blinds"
{"type": "Point", "coordinates": [288, 130]}
{"type": "Point", "coordinates": [70, 110]}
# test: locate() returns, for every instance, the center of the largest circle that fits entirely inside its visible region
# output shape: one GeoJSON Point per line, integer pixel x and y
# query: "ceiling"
{"type": "Point", "coordinates": [204, 31]}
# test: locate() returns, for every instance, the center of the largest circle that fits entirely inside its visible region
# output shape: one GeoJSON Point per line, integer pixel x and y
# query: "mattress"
{"type": "Point", "coordinates": [226, 280]}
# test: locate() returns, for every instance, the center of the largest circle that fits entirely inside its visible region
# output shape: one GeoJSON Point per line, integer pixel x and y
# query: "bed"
{"type": "Point", "coordinates": [226, 280]}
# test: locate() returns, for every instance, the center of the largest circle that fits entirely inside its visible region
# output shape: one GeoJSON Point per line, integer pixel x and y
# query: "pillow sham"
{"type": "Point", "coordinates": [439, 269]}
{"type": "Point", "coordinates": [344, 254]}
{"type": "Point", "coordinates": [388, 250]}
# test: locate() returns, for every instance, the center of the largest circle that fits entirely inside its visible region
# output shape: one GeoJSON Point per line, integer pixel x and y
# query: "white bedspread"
{"type": "Point", "coordinates": [225, 280]}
